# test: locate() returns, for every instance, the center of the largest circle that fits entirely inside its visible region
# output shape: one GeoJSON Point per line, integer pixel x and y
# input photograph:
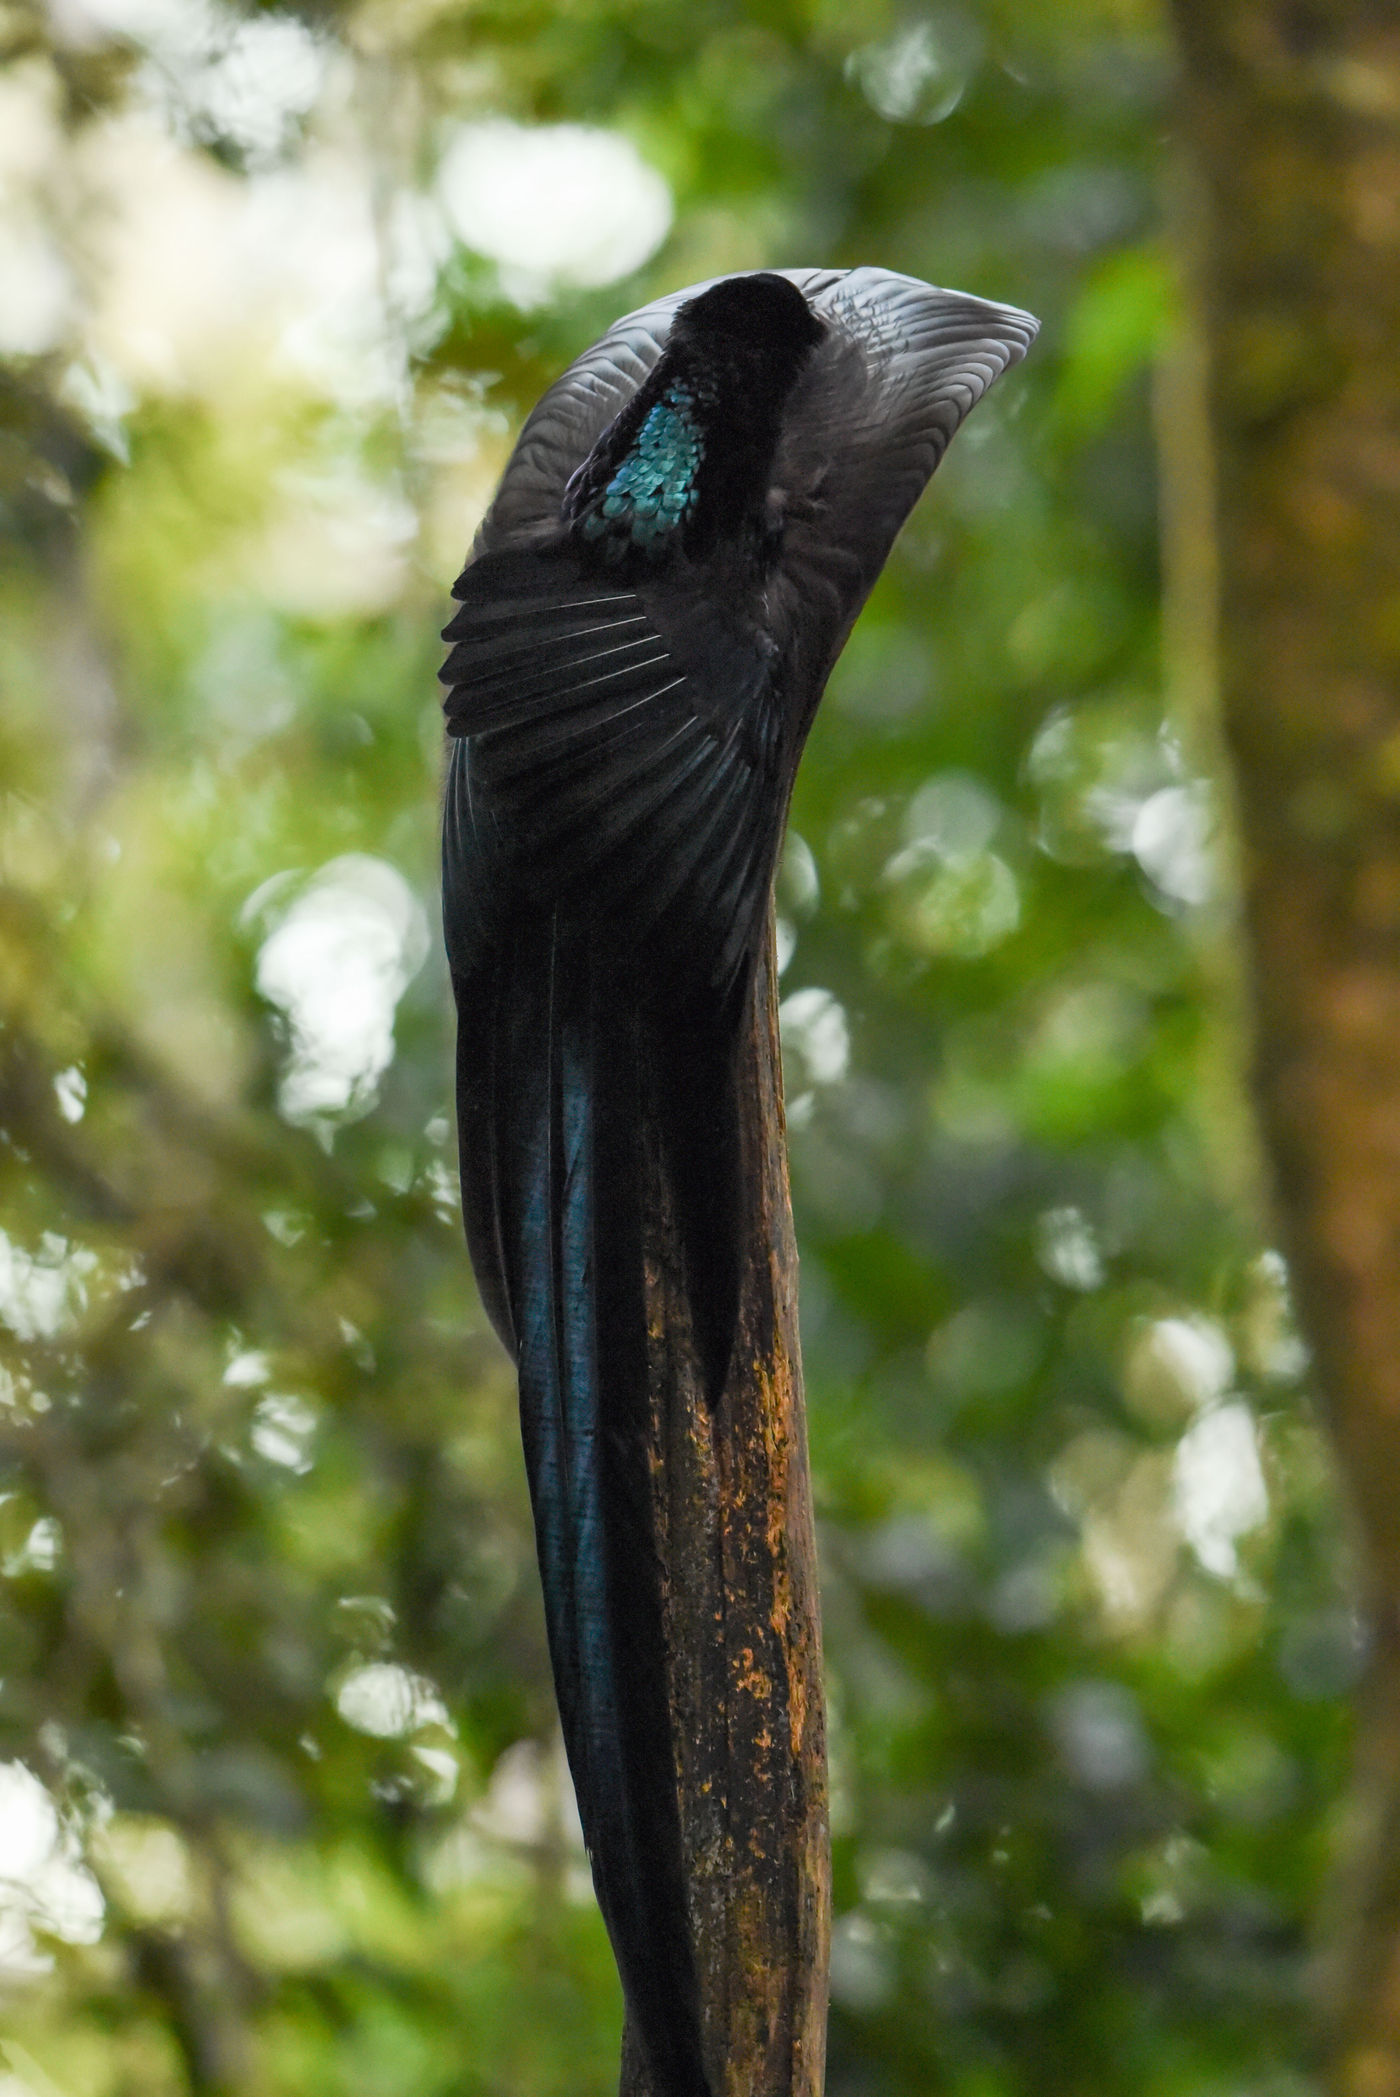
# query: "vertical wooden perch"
{"type": "Point", "coordinates": [738, 1553]}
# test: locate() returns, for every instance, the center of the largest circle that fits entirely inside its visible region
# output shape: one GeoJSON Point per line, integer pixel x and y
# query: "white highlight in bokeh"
{"type": "Point", "coordinates": [1173, 842]}
{"type": "Point", "coordinates": [206, 283]}
{"type": "Point", "coordinates": [43, 1884]}
{"type": "Point", "coordinates": [336, 963]}
{"type": "Point", "coordinates": [1199, 1353]}
{"type": "Point", "coordinates": [36, 287]}
{"type": "Point", "coordinates": [920, 74]}
{"type": "Point", "coordinates": [36, 292]}
{"type": "Point", "coordinates": [42, 1293]}
{"type": "Point", "coordinates": [553, 203]}
{"type": "Point", "coordinates": [815, 1031]}
{"type": "Point", "coordinates": [389, 1702]}
{"type": "Point", "coordinates": [283, 1425]}
{"type": "Point", "coordinates": [1218, 1488]}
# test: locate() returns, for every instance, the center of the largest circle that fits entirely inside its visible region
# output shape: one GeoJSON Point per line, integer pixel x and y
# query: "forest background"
{"type": "Point", "coordinates": [281, 1804]}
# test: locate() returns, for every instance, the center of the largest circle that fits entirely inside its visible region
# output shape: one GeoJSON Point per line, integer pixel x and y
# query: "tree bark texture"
{"type": "Point", "coordinates": [733, 1505]}
{"type": "Point", "coordinates": [1292, 110]}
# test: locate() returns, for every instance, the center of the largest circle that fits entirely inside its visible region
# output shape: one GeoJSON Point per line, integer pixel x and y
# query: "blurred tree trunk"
{"type": "Point", "coordinates": [1292, 108]}
{"type": "Point", "coordinates": [734, 1516]}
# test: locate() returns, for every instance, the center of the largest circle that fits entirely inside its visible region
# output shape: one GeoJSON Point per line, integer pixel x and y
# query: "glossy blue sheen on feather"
{"type": "Point", "coordinates": [653, 490]}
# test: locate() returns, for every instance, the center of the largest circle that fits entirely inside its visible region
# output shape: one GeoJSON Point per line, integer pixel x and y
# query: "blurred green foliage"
{"type": "Point", "coordinates": [280, 1804]}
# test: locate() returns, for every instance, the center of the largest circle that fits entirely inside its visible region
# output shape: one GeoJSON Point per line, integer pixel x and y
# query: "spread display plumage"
{"type": "Point", "coordinates": [687, 528]}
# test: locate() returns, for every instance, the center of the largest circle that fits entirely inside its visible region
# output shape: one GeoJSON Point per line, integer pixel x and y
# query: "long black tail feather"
{"type": "Point", "coordinates": [571, 1050]}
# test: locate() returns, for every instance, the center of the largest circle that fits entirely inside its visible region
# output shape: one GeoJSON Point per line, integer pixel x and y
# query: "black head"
{"type": "Point", "coordinates": [688, 458]}
{"type": "Point", "coordinates": [762, 312]}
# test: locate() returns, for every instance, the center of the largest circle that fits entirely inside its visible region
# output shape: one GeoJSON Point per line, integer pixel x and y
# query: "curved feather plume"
{"type": "Point", "coordinates": [687, 529]}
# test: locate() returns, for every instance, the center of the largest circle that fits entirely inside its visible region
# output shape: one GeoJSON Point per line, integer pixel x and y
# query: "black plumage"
{"type": "Point", "coordinates": [689, 524]}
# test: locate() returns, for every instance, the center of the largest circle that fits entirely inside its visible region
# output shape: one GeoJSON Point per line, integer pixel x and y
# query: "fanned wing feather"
{"type": "Point", "coordinates": [868, 424]}
{"type": "Point", "coordinates": [596, 755]}
{"type": "Point", "coordinates": [903, 365]}
{"type": "Point", "coordinates": [929, 356]}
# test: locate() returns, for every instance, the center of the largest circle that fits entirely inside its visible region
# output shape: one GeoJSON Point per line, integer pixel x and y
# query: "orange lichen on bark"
{"type": "Point", "coordinates": [733, 1507]}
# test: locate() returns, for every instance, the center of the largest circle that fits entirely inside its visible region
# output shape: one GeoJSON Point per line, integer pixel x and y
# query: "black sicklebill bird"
{"type": "Point", "coordinates": [688, 526]}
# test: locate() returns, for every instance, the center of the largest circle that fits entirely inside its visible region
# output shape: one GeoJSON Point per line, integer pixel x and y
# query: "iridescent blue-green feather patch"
{"type": "Point", "coordinates": [653, 490]}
